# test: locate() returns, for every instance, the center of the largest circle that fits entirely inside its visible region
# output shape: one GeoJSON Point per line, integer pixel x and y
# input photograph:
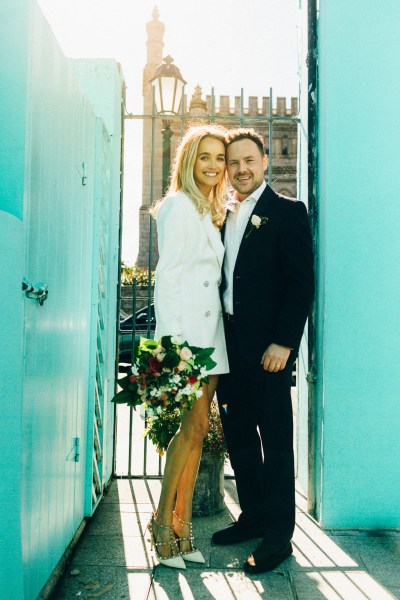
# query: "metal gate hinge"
{"type": "Point", "coordinates": [77, 445]}
{"type": "Point", "coordinates": [37, 291]}
{"type": "Point", "coordinates": [311, 377]}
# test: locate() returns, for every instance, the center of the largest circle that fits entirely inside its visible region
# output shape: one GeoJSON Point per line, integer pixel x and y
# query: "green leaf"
{"type": "Point", "coordinates": [166, 342]}
{"type": "Point", "coordinates": [147, 344]}
{"type": "Point", "coordinates": [171, 360]}
{"type": "Point", "coordinates": [124, 382]}
{"type": "Point", "coordinates": [196, 349]}
{"type": "Point", "coordinates": [125, 397]}
{"type": "Point", "coordinates": [210, 364]}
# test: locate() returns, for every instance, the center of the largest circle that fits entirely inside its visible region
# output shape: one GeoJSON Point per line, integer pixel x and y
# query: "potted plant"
{"type": "Point", "coordinates": [208, 495]}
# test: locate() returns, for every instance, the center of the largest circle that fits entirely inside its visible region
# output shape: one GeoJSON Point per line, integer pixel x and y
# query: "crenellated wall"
{"type": "Point", "coordinates": [253, 106]}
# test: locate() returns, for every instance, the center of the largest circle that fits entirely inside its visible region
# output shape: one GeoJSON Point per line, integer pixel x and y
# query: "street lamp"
{"type": "Point", "coordinates": [167, 83]}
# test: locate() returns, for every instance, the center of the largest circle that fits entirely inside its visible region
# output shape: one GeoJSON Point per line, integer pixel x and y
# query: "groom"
{"type": "Point", "coordinates": [267, 291]}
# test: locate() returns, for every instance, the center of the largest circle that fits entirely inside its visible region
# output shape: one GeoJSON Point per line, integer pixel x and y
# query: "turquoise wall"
{"type": "Point", "coordinates": [358, 466]}
{"type": "Point", "coordinates": [11, 380]}
{"type": "Point", "coordinates": [101, 82]}
{"type": "Point", "coordinates": [49, 224]}
{"type": "Point", "coordinates": [13, 93]}
{"type": "Point", "coordinates": [13, 75]}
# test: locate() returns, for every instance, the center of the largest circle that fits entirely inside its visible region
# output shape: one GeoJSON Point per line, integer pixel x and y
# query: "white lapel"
{"type": "Point", "coordinates": [214, 237]}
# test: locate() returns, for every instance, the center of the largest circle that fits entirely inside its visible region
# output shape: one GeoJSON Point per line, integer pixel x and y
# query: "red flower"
{"type": "Point", "coordinates": [134, 378]}
{"type": "Point", "coordinates": [192, 379]}
{"type": "Point", "coordinates": [154, 365]}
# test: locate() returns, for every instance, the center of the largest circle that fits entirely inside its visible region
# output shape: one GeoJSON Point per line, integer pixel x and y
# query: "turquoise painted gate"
{"type": "Point", "coordinates": [71, 182]}
{"type": "Point", "coordinates": [100, 331]}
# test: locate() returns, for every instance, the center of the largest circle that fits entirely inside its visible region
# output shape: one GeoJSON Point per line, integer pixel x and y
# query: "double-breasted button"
{"type": "Point", "coordinates": [208, 314]}
{"type": "Point", "coordinates": [206, 283]}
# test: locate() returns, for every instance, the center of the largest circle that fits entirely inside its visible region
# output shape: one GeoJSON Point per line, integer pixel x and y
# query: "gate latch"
{"type": "Point", "coordinates": [37, 291]}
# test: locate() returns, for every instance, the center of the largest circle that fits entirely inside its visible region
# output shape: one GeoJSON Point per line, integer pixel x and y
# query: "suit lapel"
{"type": "Point", "coordinates": [214, 237]}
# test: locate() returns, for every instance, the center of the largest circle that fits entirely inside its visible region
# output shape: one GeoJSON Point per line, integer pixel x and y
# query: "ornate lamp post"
{"type": "Point", "coordinates": [168, 85]}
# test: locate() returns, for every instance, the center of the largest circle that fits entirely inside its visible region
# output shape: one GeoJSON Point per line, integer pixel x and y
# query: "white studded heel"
{"type": "Point", "coordinates": [192, 555]}
{"type": "Point", "coordinates": [175, 559]}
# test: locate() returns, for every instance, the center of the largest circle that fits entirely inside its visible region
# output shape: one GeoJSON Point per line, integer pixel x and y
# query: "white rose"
{"type": "Point", "coordinates": [199, 393]}
{"type": "Point", "coordinates": [181, 366]}
{"type": "Point", "coordinates": [160, 356]}
{"type": "Point", "coordinates": [158, 350]}
{"type": "Point", "coordinates": [185, 353]}
{"type": "Point", "coordinates": [256, 221]}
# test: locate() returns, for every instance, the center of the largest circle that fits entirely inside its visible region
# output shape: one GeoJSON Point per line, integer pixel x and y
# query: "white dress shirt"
{"type": "Point", "coordinates": [236, 222]}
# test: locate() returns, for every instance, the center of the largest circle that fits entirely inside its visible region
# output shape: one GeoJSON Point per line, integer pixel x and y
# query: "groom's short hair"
{"type": "Point", "coordinates": [243, 133]}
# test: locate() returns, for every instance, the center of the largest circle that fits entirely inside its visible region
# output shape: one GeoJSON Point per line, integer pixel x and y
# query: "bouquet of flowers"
{"type": "Point", "coordinates": [165, 376]}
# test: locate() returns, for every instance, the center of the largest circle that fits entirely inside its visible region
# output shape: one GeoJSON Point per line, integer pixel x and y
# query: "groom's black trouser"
{"type": "Point", "coordinates": [256, 414]}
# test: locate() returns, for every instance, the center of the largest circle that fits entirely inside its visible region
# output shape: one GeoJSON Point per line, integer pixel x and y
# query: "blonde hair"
{"type": "Point", "coordinates": [182, 176]}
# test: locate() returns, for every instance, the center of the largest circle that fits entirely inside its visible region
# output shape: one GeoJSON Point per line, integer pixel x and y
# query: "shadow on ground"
{"type": "Point", "coordinates": [113, 559]}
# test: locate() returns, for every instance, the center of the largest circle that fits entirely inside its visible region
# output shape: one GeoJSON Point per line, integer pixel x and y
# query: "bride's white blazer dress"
{"type": "Point", "coordinates": [188, 275]}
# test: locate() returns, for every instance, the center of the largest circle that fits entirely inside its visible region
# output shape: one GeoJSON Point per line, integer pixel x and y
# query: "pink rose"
{"type": "Point", "coordinates": [185, 353]}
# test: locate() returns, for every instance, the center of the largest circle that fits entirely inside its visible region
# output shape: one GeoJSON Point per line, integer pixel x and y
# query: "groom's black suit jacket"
{"type": "Point", "coordinates": [273, 280]}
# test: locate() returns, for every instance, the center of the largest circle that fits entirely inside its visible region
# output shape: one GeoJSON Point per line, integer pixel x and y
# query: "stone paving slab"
{"type": "Point", "coordinates": [107, 583]}
{"type": "Point", "coordinates": [224, 584]}
{"type": "Point", "coordinates": [231, 557]}
{"type": "Point", "coordinates": [113, 559]}
{"type": "Point", "coordinates": [109, 507]}
{"type": "Point", "coordinates": [116, 550]}
{"type": "Point", "coordinates": [136, 491]}
{"type": "Point", "coordinates": [380, 555]}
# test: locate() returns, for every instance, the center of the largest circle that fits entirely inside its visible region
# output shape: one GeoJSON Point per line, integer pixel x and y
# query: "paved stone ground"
{"type": "Point", "coordinates": [113, 558]}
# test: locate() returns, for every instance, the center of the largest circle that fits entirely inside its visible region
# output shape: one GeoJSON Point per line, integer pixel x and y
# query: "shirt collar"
{"type": "Point", "coordinates": [254, 196]}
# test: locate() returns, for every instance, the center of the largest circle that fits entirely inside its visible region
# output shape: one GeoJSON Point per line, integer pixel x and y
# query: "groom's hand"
{"type": "Point", "coordinates": [275, 358]}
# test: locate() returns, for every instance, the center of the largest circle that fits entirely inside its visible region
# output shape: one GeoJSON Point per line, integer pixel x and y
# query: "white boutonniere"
{"type": "Point", "coordinates": [256, 223]}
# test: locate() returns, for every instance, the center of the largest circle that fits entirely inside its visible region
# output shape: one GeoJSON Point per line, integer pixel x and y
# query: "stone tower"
{"type": "Point", "coordinates": [283, 143]}
{"type": "Point", "coordinates": [155, 33]}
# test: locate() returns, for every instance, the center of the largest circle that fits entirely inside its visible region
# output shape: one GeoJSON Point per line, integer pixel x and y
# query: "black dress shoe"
{"type": "Point", "coordinates": [267, 559]}
{"type": "Point", "coordinates": [235, 533]}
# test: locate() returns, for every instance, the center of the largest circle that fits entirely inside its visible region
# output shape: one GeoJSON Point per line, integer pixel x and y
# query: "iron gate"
{"type": "Point", "coordinates": [134, 456]}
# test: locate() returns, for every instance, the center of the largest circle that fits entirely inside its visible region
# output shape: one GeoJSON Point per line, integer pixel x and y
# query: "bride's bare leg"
{"type": "Point", "coordinates": [187, 481]}
{"type": "Point", "coordinates": [187, 440]}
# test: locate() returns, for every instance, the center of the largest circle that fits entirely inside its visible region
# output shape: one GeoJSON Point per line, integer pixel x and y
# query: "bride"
{"type": "Point", "coordinates": [187, 306]}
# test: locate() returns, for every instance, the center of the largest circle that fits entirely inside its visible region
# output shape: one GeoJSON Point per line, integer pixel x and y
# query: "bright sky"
{"type": "Point", "coordinates": [228, 44]}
